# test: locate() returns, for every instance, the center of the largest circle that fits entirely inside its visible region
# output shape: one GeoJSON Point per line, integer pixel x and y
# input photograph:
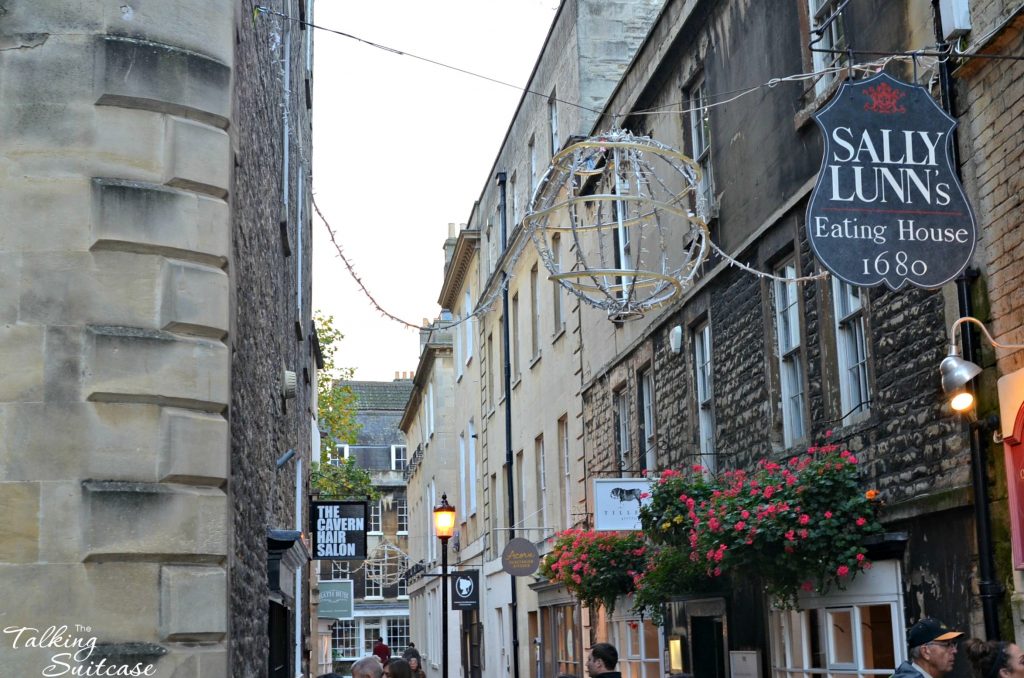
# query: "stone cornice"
{"type": "Point", "coordinates": [465, 247]}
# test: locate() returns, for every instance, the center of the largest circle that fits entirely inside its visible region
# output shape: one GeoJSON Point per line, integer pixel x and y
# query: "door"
{"type": "Point", "coordinates": [707, 638]}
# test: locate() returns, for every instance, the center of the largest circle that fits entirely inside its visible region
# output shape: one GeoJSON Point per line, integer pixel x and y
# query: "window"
{"type": "Point", "coordinates": [515, 200]}
{"type": "Point", "coordinates": [639, 649]}
{"type": "Point", "coordinates": [402, 587]}
{"type": "Point", "coordinates": [345, 639]}
{"type": "Point", "coordinates": [399, 457]}
{"type": "Point", "coordinates": [620, 405]}
{"type": "Point", "coordinates": [469, 327]}
{"type": "Point", "coordinates": [500, 365]}
{"type": "Point", "coordinates": [458, 352]}
{"type": "Point", "coordinates": [851, 349]}
{"type": "Point", "coordinates": [832, 38]}
{"type": "Point", "coordinates": [791, 378]}
{"type": "Point", "coordinates": [402, 514]}
{"type": "Point", "coordinates": [491, 369]}
{"type": "Point", "coordinates": [564, 470]}
{"type": "Point", "coordinates": [647, 433]}
{"type": "Point", "coordinates": [700, 138]}
{"type": "Point", "coordinates": [557, 310]}
{"type": "Point", "coordinates": [372, 578]}
{"type": "Point", "coordinates": [398, 634]}
{"type": "Point", "coordinates": [705, 392]}
{"type": "Point", "coordinates": [520, 489]}
{"type": "Point", "coordinates": [553, 122]}
{"type": "Point", "coordinates": [854, 633]}
{"type": "Point", "coordinates": [430, 409]}
{"type": "Point", "coordinates": [471, 475]}
{"type": "Point", "coordinates": [515, 337]}
{"type": "Point", "coordinates": [340, 570]}
{"type": "Point", "coordinates": [542, 482]}
{"type": "Point", "coordinates": [463, 471]}
{"type": "Point", "coordinates": [534, 311]}
{"type": "Point", "coordinates": [493, 515]}
{"type": "Point", "coordinates": [375, 510]}
{"type": "Point", "coordinates": [340, 452]}
{"type": "Point", "coordinates": [532, 152]}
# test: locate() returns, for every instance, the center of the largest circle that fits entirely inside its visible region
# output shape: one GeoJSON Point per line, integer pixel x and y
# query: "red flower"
{"type": "Point", "coordinates": [861, 521]}
{"type": "Point", "coordinates": [804, 519]}
{"type": "Point", "coordinates": [828, 515]}
{"type": "Point", "coordinates": [860, 557]}
{"type": "Point", "coordinates": [842, 570]}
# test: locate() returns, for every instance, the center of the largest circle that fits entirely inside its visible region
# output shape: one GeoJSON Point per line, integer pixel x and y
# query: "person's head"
{"type": "Point", "coordinates": [379, 639]}
{"type": "Point", "coordinates": [414, 662]}
{"type": "Point", "coordinates": [603, 658]}
{"type": "Point", "coordinates": [994, 659]}
{"type": "Point", "coordinates": [932, 646]}
{"type": "Point", "coordinates": [367, 667]}
{"type": "Point", "coordinates": [410, 652]}
{"type": "Point", "coordinates": [398, 668]}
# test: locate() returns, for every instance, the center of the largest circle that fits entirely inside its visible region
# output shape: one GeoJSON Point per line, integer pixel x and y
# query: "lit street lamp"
{"type": "Point", "coordinates": [444, 527]}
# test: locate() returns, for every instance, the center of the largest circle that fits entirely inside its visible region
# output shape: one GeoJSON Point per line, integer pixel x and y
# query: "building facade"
{"type": "Point", "coordinates": [156, 283]}
{"type": "Point", "coordinates": [766, 365]}
{"type": "Point", "coordinates": [380, 594]}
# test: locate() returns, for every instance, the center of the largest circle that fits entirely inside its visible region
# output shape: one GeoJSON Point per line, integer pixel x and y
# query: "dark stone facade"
{"type": "Point", "coordinates": [265, 338]}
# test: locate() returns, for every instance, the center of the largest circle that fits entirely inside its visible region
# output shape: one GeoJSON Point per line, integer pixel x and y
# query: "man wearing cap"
{"type": "Point", "coordinates": [932, 647]}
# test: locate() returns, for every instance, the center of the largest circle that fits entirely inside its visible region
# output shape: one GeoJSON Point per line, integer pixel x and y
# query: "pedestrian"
{"type": "Point", "coordinates": [398, 668]}
{"type": "Point", "coordinates": [994, 658]}
{"type": "Point", "coordinates": [932, 648]}
{"type": "Point", "coordinates": [415, 666]}
{"type": "Point", "coordinates": [566, 675]}
{"type": "Point", "coordinates": [411, 652]}
{"type": "Point", "coordinates": [381, 650]}
{"type": "Point", "coordinates": [602, 661]}
{"type": "Point", "coordinates": [368, 667]}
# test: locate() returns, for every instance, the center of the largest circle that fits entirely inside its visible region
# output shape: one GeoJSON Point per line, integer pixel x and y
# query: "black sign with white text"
{"type": "Point", "coordinates": [338, 530]}
{"type": "Point", "coordinates": [465, 590]}
{"type": "Point", "coordinates": [888, 205]}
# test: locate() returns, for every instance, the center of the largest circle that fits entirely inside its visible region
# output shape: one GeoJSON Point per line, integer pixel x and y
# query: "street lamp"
{"type": "Point", "coordinates": [957, 372]}
{"type": "Point", "coordinates": [444, 527]}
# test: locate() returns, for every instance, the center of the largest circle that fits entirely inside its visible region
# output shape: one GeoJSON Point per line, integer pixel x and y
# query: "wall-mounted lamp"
{"type": "Point", "coordinates": [957, 372]}
{"type": "Point", "coordinates": [675, 339]}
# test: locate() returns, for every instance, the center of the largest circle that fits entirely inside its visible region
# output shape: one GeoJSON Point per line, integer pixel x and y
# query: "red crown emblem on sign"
{"type": "Point", "coordinates": [883, 99]}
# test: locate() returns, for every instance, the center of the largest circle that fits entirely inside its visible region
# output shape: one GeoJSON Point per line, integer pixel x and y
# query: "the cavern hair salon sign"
{"type": "Point", "coordinates": [338, 530]}
{"type": "Point", "coordinates": [888, 206]}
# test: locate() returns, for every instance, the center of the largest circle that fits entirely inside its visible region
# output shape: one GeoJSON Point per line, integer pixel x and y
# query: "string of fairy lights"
{"type": "Point", "coordinates": [503, 275]}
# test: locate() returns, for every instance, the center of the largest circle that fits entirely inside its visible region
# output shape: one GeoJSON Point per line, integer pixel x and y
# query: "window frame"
{"type": "Point", "coordinates": [699, 121]}
{"type": "Point", "coordinates": [401, 515]}
{"type": "Point", "coordinates": [704, 391]}
{"type": "Point", "coordinates": [623, 440]}
{"type": "Point", "coordinates": [648, 434]}
{"type": "Point", "coordinates": [557, 305]}
{"type": "Point", "coordinates": [371, 520]}
{"type": "Point", "coordinates": [834, 38]}
{"type": "Point", "coordinates": [396, 457]}
{"type": "Point", "coordinates": [850, 324]}
{"type": "Point", "coordinates": [789, 343]}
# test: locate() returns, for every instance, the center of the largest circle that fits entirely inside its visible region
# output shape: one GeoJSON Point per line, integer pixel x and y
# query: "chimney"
{"type": "Point", "coordinates": [396, 375]}
{"type": "Point", "coordinates": [449, 244]}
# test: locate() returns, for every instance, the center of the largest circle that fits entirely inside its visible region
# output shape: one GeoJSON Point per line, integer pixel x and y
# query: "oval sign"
{"type": "Point", "coordinates": [520, 558]}
{"type": "Point", "coordinates": [888, 205]}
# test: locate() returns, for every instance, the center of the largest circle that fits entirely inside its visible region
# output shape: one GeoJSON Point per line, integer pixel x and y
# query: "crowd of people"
{"type": "Point", "coordinates": [931, 645]}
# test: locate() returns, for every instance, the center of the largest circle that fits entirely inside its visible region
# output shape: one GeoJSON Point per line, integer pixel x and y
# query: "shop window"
{"type": "Point", "coordinates": [639, 645]}
{"type": "Point", "coordinates": [398, 634]}
{"type": "Point", "coordinates": [344, 640]}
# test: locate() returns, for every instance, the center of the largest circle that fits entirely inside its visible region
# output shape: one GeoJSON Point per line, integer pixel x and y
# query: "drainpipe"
{"type": "Point", "coordinates": [500, 178]}
{"type": "Point", "coordinates": [299, 609]}
{"type": "Point", "coordinates": [989, 589]}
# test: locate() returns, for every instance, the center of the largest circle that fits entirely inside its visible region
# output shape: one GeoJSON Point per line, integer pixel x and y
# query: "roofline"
{"type": "Point", "coordinates": [426, 361]}
{"type": "Point", "coordinates": [455, 274]}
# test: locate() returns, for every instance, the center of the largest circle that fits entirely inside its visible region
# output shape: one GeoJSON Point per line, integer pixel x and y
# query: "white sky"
{"type": "Point", "coordinates": [401, 148]}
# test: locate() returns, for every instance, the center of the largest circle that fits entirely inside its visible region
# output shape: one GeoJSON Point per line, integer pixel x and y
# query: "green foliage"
{"type": "Point", "coordinates": [336, 415]}
{"type": "Point", "coordinates": [596, 567]}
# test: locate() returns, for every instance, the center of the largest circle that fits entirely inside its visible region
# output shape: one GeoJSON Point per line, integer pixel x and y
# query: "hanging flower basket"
{"type": "Point", "coordinates": [798, 526]}
{"type": "Point", "coordinates": [596, 567]}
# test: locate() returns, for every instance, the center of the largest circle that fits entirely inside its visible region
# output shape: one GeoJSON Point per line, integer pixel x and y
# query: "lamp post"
{"type": "Point", "coordinates": [444, 527]}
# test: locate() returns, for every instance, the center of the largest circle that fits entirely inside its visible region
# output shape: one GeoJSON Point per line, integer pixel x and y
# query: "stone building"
{"type": "Point", "coordinates": [380, 595]}
{"type": "Point", "coordinates": [765, 367]}
{"type": "Point", "coordinates": [155, 336]}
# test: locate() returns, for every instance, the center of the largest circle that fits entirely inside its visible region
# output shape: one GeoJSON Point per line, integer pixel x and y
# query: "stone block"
{"type": "Point", "coordinates": [167, 521]}
{"type": "Point", "coordinates": [195, 448]}
{"type": "Point", "coordinates": [127, 364]}
{"type": "Point", "coordinates": [76, 288]}
{"type": "Point", "coordinates": [199, 157]}
{"type": "Point", "coordinates": [19, 505]}
{"type": "Point", "coordinates": [53, 205]}
{"type": "Point", "coordinates": [195, 300]}
{"type": "Point", "coordinates": [10, 283]}
{"type": "Point", "coordinates": [134, 73]}
{"type": "Point", "coordinates": [144, 217]}
{"type": "Point", "coordinates": [21, 353]}
{"type": "Point", "coordinates": [73, 440]}
{"type": "Point", "coordinates": [60, 522]}
{"type": "Point", "coordinates": [193, 603]}
{"type": "Point", "coordinates": [63, 372]}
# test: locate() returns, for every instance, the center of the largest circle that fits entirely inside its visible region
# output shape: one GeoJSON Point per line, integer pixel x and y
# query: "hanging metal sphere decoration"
{"type": "Point", "coordinates": [623, 204]}
{"type": "Point", "coordinates": [386, 564]}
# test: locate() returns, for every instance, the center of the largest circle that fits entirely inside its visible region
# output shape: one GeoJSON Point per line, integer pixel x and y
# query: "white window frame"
{"type": "Point", "coordinates": [705, 390]}
{"type": "Point", "coordinates": [345, 634]}
{"type": "Point", "coordinates": [553, 123]}
{"type": "Point", "coordinates": [535, 311]}
{"type": "Point", "coordinates": [700, 138]}
{"type": "Point", "coordinates": [401, 515]}
{"type": "Point", "coordinates": [372, 590]}
{"type": "Point", "coordinates": [557, 305]}
{"type": "Point", "coordinates": [402, 586]}
{"type": "Point", "coordinates": [430, 409]}
{"type": "Point", "coordinates": [340, 570]}
{"type": "Point", "coordinates": [542, 481]}
{"type": "Point", "coordinates": [462, 477]}
{"type": "Point", "coordinates": [851, 350]}
{"type": "Point", "coordinates": [394, 635]}
{"type": "Point", "coordinates": [376, 517]}
{"type": "Point", "coordinates": [340, 452]}
{"type": "Point", "coordinates": [791, 369]}
{"type": "Point", "coordinates": [514, 337]}
{"type": "Point", "coordinates": [790, 631]}
{"type": "Point", "coordinates": [641, 661]}
{"type": "Point", "coordinates": [471, 476]}
{"type": "Point", "coordinates": [399, 457]}
{"type": "Point", "coordinates": [532, 153]}
{"type": "Point", "coordinates": [469, 326]}
{"type": "Point", "coordinates": [458, 353]}
{"type": "Point", "coordinates": [833, 38]}
{"type": "Point", "coordinates": [566, 468]}
{"type": "Point", "coordinates": [515, 201]}
{"type": "Point", "coordinates": [649, 437]}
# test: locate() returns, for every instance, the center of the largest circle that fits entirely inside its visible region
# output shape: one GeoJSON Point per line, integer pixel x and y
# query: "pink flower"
{"type": "Point", "coordinates": [791, 536]}
{"type": "Point", "coordinates": [804, 519]}
{"type": "Point", "coordinates": [861, 521]}
{"type": "Point", "coordinates": [860, 557]}
{"type": "Point", "coordinates": [740, 525]}
{"type": "Point", "coordinates": [803, 534]}
{"type": "Point", "coordinates": [828, 433]}
{"type": "Point", "coordinates": [842, 570]}
{"type": "Point", "coordinates": [745, 514]}
{"type": "Point", "coordinates": [807, 585]}
{"type": "Point", "coordinates": [718, 572]}
{"type": "Point", "coordinates": [828, 515]}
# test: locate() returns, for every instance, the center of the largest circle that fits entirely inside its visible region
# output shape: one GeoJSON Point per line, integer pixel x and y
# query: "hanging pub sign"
{"type": "Point", "coordinates": [338, 529]}
{"type": "Point", "coordinates": [465, 590]}
{"type": "Point", "coordinates": [888, 206]}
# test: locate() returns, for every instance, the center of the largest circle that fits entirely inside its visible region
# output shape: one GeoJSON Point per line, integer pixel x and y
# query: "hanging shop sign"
{"type": "Point", "coordinates": [888, 205]}
{"type": "Point", "coordinates": [465, 590]}
{"type": "Point", "coordinates": [335, 598]}
{"type": "Point", "coordinates": [520, 558]}
{"type": "Point", "coordinates": [617, 502]}
{"type": "Point", "coordinates": [338, 529]}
